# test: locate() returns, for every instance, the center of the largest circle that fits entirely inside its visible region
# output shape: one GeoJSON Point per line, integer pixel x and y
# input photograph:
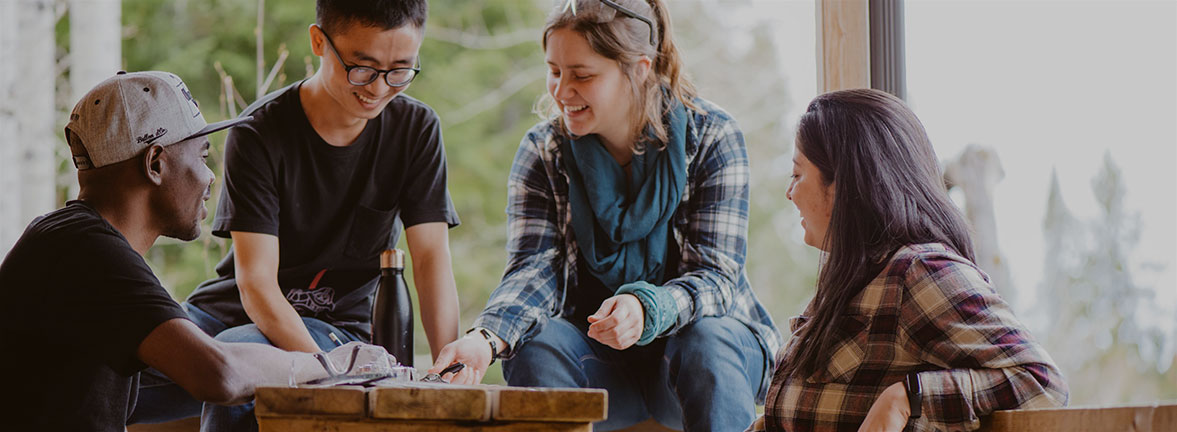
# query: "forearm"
{"type": "Point", "coordinates": [523, 299]}
{"type": "Point", "coordinates": [962, 396]}
{"type": "Point", "coordinates": [703, 292]}
{"type": "Point", "coordinates": [219, 372]}
{"type": "Point", "coordinates": [275, 317]}
{"type": "Point", "coordinates": [259, 365]}
{"type": "Point", "coordinates": [438, 296]}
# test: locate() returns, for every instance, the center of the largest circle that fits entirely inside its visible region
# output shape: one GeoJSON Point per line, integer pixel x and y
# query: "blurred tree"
{"type": "Point", "coordinates": [483, 70]}
{"type": "Point", "coordinates": [27, 115]}
{"type": "Point", "coordinates": [733, 63]}
{"type": "Point", "coordinates": [1093, 303]}
{"type": "Point", "coordinates": [976, 172]}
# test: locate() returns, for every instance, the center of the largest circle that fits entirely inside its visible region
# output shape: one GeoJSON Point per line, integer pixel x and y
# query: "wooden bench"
{"type": "Point", "coordinates": [429, 407]}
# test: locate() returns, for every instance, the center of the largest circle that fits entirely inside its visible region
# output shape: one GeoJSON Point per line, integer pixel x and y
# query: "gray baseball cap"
{"type": "Point", "coordinates": [127, 113]}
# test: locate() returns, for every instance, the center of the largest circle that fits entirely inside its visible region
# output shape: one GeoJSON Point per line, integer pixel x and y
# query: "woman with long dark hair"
{"type": "Point", "coordinates": [628, 217]}
{"type": "Point", "coordinates": [904, 332]}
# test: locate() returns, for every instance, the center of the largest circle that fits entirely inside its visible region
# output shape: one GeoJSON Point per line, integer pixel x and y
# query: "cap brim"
{"type": "Point", "coordinates": [219, 126]}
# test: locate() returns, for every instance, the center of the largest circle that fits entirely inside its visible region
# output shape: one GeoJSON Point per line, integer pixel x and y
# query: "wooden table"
{"type": "Point", "coordinates": [414, 407]}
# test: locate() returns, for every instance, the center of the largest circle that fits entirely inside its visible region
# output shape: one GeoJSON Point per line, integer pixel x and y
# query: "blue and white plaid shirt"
{"type": "Point", "coordinates": [710, 228]}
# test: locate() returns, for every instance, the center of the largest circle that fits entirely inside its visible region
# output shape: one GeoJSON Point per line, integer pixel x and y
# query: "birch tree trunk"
{"type": "Point", "coordinates": [10, 144]}
{"type": "Point", "coordinates": [977, 171]}
{"type": "Point", "coordinates": [30, 66]}
{"type": "Point", "coordinates": [95, 40]}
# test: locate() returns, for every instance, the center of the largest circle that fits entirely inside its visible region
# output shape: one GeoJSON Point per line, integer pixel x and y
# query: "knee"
{"type": "Point", "coordinates": [245, 333]}
{"type": "Point", "coordinates": [559, 339]}
{"type": "Point", "coordinates": [557, 347]}
{"type": "Point", "coordinates": [706, 339]}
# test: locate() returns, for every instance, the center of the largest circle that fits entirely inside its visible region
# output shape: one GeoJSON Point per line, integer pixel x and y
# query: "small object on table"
{"type": "Point", "coordinates": [436, 377]}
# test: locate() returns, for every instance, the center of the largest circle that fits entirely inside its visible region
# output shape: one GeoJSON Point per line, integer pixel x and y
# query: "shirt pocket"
{"type": "Point", "coordinates": [370, 232]}
{"type": "Point", "coordinates": [851, 352]}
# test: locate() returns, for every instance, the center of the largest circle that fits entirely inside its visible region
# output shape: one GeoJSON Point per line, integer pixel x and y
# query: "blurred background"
{"type": "Point", "coordinates": [1056, 122]}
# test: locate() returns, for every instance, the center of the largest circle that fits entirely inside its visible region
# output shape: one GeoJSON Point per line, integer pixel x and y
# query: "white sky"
{"type": "Point", "coordinates": [1049, 84]}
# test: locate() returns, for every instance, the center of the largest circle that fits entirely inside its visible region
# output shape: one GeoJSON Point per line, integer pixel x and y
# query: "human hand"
{"type": "Point", "coordinates": [470, 349]}
{"type": "Point", "coordinates": [619, 322]}
{"type": "Point", "coordinates": [890, 411]}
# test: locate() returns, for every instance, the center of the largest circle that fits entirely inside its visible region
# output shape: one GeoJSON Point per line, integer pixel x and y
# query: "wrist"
{"type": "Point", "coordinates": [659, 310]}
{"type": "Point", "coordinates": [495, 345]}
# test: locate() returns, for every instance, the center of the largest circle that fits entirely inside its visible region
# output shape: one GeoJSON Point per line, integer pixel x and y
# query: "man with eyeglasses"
{"type": "Point", "coordinates": [317, 185]}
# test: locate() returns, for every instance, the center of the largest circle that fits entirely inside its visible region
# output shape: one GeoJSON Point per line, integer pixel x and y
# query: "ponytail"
{"type": "Point", "coordinates": [668, 65]}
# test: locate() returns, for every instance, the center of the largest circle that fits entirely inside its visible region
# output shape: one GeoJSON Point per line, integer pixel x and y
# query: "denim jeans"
{"type": "Point", "coordinates": [162, 400]}
{"type": "Point", "coordinates": [706, 377]}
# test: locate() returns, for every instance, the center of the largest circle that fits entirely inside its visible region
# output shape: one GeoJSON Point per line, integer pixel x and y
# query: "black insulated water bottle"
{"type": "Point", "coordinates": [392, 312]}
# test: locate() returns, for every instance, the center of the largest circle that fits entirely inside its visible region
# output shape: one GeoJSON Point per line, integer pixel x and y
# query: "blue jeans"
{"type": "Point", "coordinates": [706, 377]}
{"type": "Point", "coordinates": [162, 400]}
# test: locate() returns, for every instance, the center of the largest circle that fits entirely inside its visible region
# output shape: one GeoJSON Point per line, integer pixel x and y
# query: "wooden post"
{"type": "Point", "coordinates": [843, 45]}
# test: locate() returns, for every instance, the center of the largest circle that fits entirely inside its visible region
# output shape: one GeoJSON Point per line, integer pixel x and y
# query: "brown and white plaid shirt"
{"type": "Point", "coordinates": [929, 311]}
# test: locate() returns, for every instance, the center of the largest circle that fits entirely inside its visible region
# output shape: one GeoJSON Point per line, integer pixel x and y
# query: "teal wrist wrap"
{"type": "Point", "coordinates": [658, 305]}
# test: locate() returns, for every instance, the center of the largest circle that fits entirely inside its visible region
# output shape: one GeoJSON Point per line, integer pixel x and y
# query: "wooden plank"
{"type": "Point", "coordinates": [333, 401]}
{"type": "Point", "coordinates": [843, 44]}
{"type": "Point", "coordinates": [1143, 418]}
{"type": "Point", "coordinates": [428, 401]}
{"type": "Point", "coordinates": [319, 424]}
{"type": "Point", "coordinates": [551, 404]}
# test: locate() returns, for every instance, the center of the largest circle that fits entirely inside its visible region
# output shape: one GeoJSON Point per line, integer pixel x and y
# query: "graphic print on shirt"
{"type": "Point", "coordinates": [313, 299]}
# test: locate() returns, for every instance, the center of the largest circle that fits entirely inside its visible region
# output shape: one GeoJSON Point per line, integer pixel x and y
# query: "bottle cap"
{"type": "Point", "coordinates": [392, 258]}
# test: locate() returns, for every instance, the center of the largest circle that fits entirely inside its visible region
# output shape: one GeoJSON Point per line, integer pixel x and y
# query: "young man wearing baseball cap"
{"type": "Point", "coordinates": [85, 313]}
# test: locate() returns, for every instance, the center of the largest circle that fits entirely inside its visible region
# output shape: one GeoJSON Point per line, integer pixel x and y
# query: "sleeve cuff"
{"type": "Point", "coordinates": [659, 307]}
{"type": "Point", "coordinates": [511, 331]}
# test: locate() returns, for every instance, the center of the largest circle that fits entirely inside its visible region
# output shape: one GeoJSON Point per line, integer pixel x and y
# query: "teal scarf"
{"type": "Point", "coordinates": [621, 227]}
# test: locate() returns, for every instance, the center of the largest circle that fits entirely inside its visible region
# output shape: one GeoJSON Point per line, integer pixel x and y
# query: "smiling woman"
{"type": "Point", "coordinates": [628, 211]}
{"type": "Point", "coordinates": [905, 332]}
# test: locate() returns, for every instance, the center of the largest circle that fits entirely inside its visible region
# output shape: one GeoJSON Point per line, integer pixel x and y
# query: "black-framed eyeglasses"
{"type": "Point", "coordinates": [363, 75]}
{"type": "Point", "coordinates": [624, 11]}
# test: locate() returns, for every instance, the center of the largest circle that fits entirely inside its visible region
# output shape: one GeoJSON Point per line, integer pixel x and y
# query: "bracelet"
{"type": "Point", "coordinates": [490, 340]}
{"type": "Point", "coordinates": [911, 383]}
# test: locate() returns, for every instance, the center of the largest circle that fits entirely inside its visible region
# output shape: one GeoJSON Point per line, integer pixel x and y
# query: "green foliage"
{"type": "Point", "coordinates": [189, 38]}
{"type": "Point", "coordinates": [483, 70]}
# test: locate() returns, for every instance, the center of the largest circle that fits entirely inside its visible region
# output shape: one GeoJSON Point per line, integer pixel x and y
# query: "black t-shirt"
{"type": "Point", "coordinates": [79, 302]}
{"type": "Point", "coordinates": [333, 209]}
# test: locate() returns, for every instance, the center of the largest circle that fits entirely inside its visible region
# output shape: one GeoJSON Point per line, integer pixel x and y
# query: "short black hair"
{"type": "Point", "coordinates": [334, 15]}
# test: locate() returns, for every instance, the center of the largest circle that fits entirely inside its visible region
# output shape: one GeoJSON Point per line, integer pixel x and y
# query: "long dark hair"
{"type": "Point", "coordinates": [888, 192]}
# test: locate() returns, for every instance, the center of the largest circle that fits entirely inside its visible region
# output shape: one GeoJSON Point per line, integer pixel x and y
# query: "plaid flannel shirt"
{"type": "Point", "coordinates": [710, 227]}
{"type": "Point", "coordinates": [932, 312]}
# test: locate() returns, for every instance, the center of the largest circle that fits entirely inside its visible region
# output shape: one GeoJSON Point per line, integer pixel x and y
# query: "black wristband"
{"type": "Point", "coordinates": [490, 340]}
{"type": "Point", "coordinates": [914, 394]}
